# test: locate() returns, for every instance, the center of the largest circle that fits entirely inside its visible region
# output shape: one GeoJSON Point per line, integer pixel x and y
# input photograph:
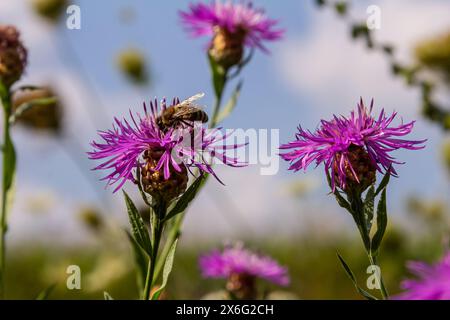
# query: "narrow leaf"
{"type": "Point", "coordinates": [384, 182]}
{"type": "Point", "coordinates": [9, 167]}
{"type": "Point", "coordinates": [167, 270]}
{"type": "Point", "coordinates": [381, 224]}
{"type": "Point", "coordinates": [28, 105]}
{"type": "Point", "coordinates": [3, 91]}
{"type": "Point", "coordinates": [139, 183]}
{"type": "Point", "coordinates": [369, 208]}
{"type": "Point", "coordinates": [352, 277]}
{"type": "Point", "coordinates": [229, 107]}
{"type": "Point", "coordinates": [218, 76]}
{"type": "Point", "coordinates": [107, 296]}
{"type": "Point", "coordinates": [27, 87]}
{"type": "Point", "coordinates": [138, 228]}
{"type": "Point", "coordinates": [339, 198]}
{"type": "Point", "coordinates": [141, 260]}
{"type": "Point", "coordinates": [44, 294]}
{"type": "Point", "coordinates": [186, 198]}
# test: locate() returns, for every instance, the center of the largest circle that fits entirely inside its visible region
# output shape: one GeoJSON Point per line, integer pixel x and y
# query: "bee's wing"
{"type": "Point", "coordinates": [185, 110]}
{"type": "Point", "coordinates": [191, 100]}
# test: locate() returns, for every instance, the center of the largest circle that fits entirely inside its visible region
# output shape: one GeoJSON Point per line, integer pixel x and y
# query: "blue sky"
{"type": "Point", "coordinates": [314, 72]}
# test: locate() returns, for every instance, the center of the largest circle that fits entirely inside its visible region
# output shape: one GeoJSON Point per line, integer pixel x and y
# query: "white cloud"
{"type": "Point", "coordinates": [332, 71]}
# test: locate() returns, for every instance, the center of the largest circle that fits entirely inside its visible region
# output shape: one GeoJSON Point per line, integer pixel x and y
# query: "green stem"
{"type": "Point", "coordinates": [157, 228]}
{"type": "Point", "coordinates": [172, 236]}
{"type": "Point", "coordinates": [373, 261]}
{"type": "Point", "coordinates": [7, 156]}
{"type": "Point", "coordinates": [218, 102]}
{"type": "Point", "coordinates": [216, 110]}
{"type": "Point", "coordinates": [358, 216]}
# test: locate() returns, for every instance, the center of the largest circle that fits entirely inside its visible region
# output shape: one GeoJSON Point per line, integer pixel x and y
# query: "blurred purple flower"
{"type": "Point", "coordinates": [238, 260]}
{"type": "Point", "coordinates": [202, 19]}
{"type": "Point", "coordinates": [432, 283]}
{"type": "Point", "coordinates": [333, 141]}
{"type": "Point", "coordinates": [190, 146]}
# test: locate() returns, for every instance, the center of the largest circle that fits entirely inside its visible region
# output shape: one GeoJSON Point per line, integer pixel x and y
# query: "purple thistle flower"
{"type": "Point", "coordinates": [177, 148]}
{"type": "Point", "coordinates": [238, 260]}
{"type": "Point", "coordinates": [202, 19]}
{"type": "Point", "coordinates": [432, 283]}
{"type": "Point", "coordinates": [342, 141]}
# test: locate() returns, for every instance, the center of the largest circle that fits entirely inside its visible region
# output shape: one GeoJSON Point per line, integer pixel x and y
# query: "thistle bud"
{"type": "Point", "coordinates": [13, 55]}
{"type": "Point", "coordinates": [153, 180]}
{"type": "Point", "coordinates": [50, 9]}
{"type": "Point", "coordinates": [227, 48]}
{"type": "Point", "coordinates": [131, 63]}
{"type": "Point", "coordinates": [91, 218]}
{"type": "Point", "coordinates": [358, 163]}
{"type": "Point", "coordinates": [242, 286]}
{"type": "Point", "coordinates": [39, 116]}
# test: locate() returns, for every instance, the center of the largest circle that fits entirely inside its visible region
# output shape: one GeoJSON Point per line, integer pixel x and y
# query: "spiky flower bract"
{"type": "Point", "coordinates": [232, 26]}
{"type": "Point", "coordinates": [161, 154]}
{"type": "Point", "coordinates": [202, 19]}
{"type": "Point", "coordinates": [351, 148]}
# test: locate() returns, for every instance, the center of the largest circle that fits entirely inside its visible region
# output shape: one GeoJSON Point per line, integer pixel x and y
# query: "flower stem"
{"type": "Point", "coordinates": [8, 166]}
{"type": "Point", "coordinates": [216, 110]}
{"type": "Point", "coordinates": [218, 101]}
{"type": "Point", "coordinates": [157, 227]}
{"type": "Point", "coordinates": [173, 235]}
{"type": "Point", "coordinates": [383, 291]}
{"type": "Point", "coordinates": [357, 206]}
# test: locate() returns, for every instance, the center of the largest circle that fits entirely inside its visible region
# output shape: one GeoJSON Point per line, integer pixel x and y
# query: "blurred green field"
{"type": "Point", "coordinates": [312, 262]}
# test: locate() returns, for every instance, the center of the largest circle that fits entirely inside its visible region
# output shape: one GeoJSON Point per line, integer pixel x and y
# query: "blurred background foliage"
{"type": "Point", "coordinates": [108, 265]}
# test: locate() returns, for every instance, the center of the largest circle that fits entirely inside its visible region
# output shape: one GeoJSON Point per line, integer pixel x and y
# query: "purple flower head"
{"type": "Point", "coordinates": [432, 282]}
{"type": "Point", "coordinates": [238, 260]}
{"type": "Point", "coordinates": [122, 147]}
{"type": "Point", "coordinates": [335, 141]}
{"type": "Point", "coordinates": [203, 18]}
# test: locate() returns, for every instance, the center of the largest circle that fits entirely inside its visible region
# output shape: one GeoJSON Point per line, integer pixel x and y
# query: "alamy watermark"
{"type": "Point", "coordinates": [373, 21]}
{"type": "Point", "coordinates": [374, 280]}
{"type": "Point", "coordinates": [73, 21]}
{"type": "Point", "coordinates": [73, 281]}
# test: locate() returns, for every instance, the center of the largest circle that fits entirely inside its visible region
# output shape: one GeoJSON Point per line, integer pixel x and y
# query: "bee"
{"type": "Point", "coordinates": [183, 113]}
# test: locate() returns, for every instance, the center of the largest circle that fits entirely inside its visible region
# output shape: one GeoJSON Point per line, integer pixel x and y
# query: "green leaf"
{"type": "Point", "coordinates": [141, 260]}
{"type": "Point", "coordinates": [139, 183]}
{"type": "Point", "coordinates": [167, 270]}
{"type": "Point", "coordinates": [218, 76]}
{"type": "Point", "coordinates": [381, 224]}
{"type": "Point", "coordinates": [339, 198]}
{"type": "Point", "coordinates": [9, 166]}
{"type": "Point", "coordinates": [28, 105]}
{"type": "Point", "coordinates": [9, 153]}
{"type": "Point", "coordinates": [138, 228]}
{"type": "Point", "coordinates": [186, 198]}
{"type": "Point", "coordinates": [229, 107]}
{"type": "Point", "coordinates": [384, 182]}
{"type": "Point", "coordinates": [369, 208]}
{"type": "Point", "coordinates": [44, 294]}
{"type": "Point", "coordinates": [352, 277]}
{"type": "Point", "coordinates": [241, 65]}
{"type": "Point", "coordinates": [3, 91]}
{"type": "Point", "coordinates": [27, 87]}
{"type": "Point", "coordinates": [107, 296]}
